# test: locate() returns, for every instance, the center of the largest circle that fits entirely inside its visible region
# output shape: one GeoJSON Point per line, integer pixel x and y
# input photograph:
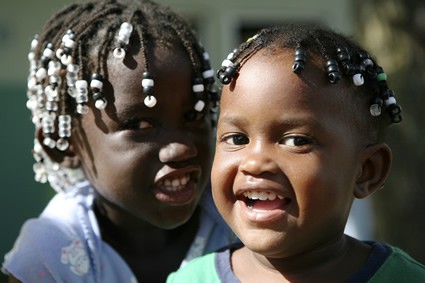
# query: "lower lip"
{"type": "Point", "coordinates": [276, 212]}
{"type": "Point", "coordinates": [184, 195]}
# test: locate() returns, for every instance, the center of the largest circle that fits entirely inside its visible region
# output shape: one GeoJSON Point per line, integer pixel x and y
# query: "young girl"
{"type": "Point", "coordinates": [121, 94]}
{"type": "Point", "coordinates": [300, 134]}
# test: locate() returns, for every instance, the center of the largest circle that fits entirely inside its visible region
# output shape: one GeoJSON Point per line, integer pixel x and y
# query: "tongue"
{"type": "Point", "coordinates": [267, 204]}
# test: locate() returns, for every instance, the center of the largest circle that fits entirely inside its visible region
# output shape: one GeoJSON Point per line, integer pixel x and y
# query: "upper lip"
{"type": "Point", "coordinates": [167, 172]}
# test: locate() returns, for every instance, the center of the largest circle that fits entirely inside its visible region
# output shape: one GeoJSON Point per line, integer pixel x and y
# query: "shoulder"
{"type": "Point", "coordinates": [399, 267]}
{"type": "Point", "coordinates": [44, 250]}
{"type": "Point", "coordinates": [201, 269]}
{"type": "Point", "coordinates": [54, 245]}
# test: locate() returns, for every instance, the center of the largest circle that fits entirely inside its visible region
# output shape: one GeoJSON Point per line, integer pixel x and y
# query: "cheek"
{"type": "Point", "coordinates": [223, 175]}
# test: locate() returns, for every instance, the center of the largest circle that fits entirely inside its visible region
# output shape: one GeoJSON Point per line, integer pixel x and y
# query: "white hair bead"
{"type": "Point", "coordinates": [126, 26]}
{"type": "Point", "coordinates": [198, 88]}
{"type": "Point", "coordinates": [390, 100]}
{"type": "Point", "coordinates": [96, 84]}
{"type": "Point", "coordinates": [208, 74]}
{"type": "Point", "coordinates": [66, 59]}
{"type": "Point", "coordinates": [41, 74]}
{"type": "Point", "coordinates": [150, 101]}
{"type": "Point", "coordinates": [199, 106]}
{"type": "Point", "coordinates": [100, 103]}
{"type": "Point", "coordinates": [49, 142]}
{"type": "Point", "coordinates": [81, 84]}
{"type": "Point", "coordinates": [119, 53]}
{"type": "Point", "coordinates": [59, 53]}
{"type": "Point", "coordinates": [206, 56]}
{"type": "Point", "coordinates": [148, 83]}
{"type": "Point", "coordinates": [227, 63]}
{"type": "Point", "coordinates": [358, 79]}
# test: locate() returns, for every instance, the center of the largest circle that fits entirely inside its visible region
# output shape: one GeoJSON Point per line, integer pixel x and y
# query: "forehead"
{"type": "Point", "coordinates": [266, 80]}
{"type": "Point", "coordinates": [172, 73]}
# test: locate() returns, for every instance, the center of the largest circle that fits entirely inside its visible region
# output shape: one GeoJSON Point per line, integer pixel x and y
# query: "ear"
{"type": "Point", "coordinates": [67, 158]}
{"type": "Point", "coordinates": [374, 170]}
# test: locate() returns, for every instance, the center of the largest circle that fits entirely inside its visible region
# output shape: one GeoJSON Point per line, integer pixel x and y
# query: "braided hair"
{"type": "Point", "coordinates": [342, 59]}
{"type": "Point", "coordinates": [68, 63]}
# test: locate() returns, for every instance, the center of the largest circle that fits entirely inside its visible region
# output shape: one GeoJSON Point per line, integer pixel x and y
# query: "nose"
{"type": "Point", "coordinates": [177, 152]}
{"type": "Point", "coordinates": [258, 162]}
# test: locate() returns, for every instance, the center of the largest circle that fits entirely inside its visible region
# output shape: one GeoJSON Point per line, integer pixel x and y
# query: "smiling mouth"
{"type": "Point", "coordinates": [177, 190]}
{"type": "Point", "coordinates": [264, 200]}
{"type": "Point", "coordinates": [173, 184]}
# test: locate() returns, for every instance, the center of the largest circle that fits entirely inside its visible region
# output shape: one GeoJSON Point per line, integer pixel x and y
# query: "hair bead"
{"type": "Point", "coordinates": [358, 79]}
{"type": "Point", "coordinates": [376, 107]}
{"type": "Point", "coordinates": [122, 38]}
{"type": "Point", "coordinates": [96, 85]}
{"type": "Point", "coordinates": [148, 89]}
{"type": "Point", "coordinates": [299, 60]}
{"type": "Point", "coordinates": [64, 132]}
{"type": "Point", "coordinates": [81, 96]}
{"type": "Point", "coordinates": [333, 71]}
{"type": "Point", "coordinates": [198, 89]}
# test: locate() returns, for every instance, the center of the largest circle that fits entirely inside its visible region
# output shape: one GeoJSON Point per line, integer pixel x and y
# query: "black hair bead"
{"type": "Point", "coordinates": [299, 60]}
{"type": "Point", "coordinates": [333, 71]}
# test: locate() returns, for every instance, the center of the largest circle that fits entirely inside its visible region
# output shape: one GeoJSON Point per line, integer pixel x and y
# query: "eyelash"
{"type": "Point", "coordinates": [292, 141]}
{"type": "Point", "coordinates": [233, 137]}
{"type": "Point", "coordinates": [192, 116]}
{"type": "Point", "coordinates": [135, 124]}
{"type": "Point", "coordinates": [298, 141]}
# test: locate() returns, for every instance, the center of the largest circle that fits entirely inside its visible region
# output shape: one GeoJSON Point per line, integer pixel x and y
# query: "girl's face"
{"type": "Point", "coordinates": [287, 157]}
{"type": "Point", "coordinates": [151, 163]}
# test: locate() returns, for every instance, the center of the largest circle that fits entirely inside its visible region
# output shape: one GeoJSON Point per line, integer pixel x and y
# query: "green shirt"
{"type": "Point", "coordinates": [385, 264]}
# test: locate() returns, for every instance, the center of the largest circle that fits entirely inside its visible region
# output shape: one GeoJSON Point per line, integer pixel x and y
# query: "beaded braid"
{"type": "Point", "coordinates": [341, 55]}
{"type": "Point", "coordinates": [68, 68]}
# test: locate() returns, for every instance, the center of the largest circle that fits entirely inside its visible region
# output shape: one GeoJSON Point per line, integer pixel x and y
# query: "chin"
{"type": "Point", "coordinates": [174, 218]}
{"type": "Point", "coordinates": [266, 245]}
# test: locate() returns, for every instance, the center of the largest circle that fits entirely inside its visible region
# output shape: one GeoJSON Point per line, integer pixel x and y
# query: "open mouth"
{"type": "Point", "coordinates": [176, 189]}
{"type": "Point", "coordinates": [264, 200]}
{"type": "Point", "coordinates": [173, 184]}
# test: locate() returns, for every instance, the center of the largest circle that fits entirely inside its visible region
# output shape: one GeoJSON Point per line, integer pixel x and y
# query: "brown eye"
{"type": "Point", "coordinates": [137, 124]}
{"type": "Point", "coordinates": [297, 141]}
{"type": "Point", "coordinates": [236, 139]}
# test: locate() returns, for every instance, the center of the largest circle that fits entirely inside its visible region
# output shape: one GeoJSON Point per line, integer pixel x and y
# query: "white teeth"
{"type": "Point", "coordinates": [255, 195]}
{"type": "Point", "coordinates": [174, 184]}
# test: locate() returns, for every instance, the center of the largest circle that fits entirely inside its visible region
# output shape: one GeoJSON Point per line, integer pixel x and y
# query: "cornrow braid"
{"type": "Point", "coordinates": [68, 66]}
{"type": "Point", "coordinates": [342, 58]}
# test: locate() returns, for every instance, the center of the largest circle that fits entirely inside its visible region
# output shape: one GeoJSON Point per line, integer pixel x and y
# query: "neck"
{"type": "Point", "coordinates": [142, 245]}
{"type": "Point", "coordinates": [337, 259]}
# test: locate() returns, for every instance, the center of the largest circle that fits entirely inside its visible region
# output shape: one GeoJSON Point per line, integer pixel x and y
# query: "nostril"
{"type": "Point", "coordinates": [175, 152]}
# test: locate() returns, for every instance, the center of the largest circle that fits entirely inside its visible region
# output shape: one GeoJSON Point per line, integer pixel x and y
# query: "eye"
{"type": "Point", "coordinates": [297, 141]}
{"type": "Point", "coordinates": [137, 124]}
{"type": "Point", "coordinates": [193, 115]}
{"type": "Point", "coordinates": [236, 139]}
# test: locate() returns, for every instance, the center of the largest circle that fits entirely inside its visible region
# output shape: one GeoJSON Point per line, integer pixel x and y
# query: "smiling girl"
{"type": "Point", "coordinates": [300, 135]}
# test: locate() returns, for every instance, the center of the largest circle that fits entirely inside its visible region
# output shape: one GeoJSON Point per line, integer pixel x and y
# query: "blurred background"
{"type": "Point", "coordinates": [392, 30]}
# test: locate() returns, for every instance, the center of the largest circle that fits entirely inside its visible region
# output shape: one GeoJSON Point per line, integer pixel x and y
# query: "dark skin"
{"type": "Point", "coordinates": [133, 156]}
{"type": "Point", "coordinates": [309, 159]}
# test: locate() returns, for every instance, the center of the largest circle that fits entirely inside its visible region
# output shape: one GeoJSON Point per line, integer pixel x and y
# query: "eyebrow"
{"type": "Point", "coordinates": [291, 122]}
{"type": "Point", "coordinates": [130, 111]}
